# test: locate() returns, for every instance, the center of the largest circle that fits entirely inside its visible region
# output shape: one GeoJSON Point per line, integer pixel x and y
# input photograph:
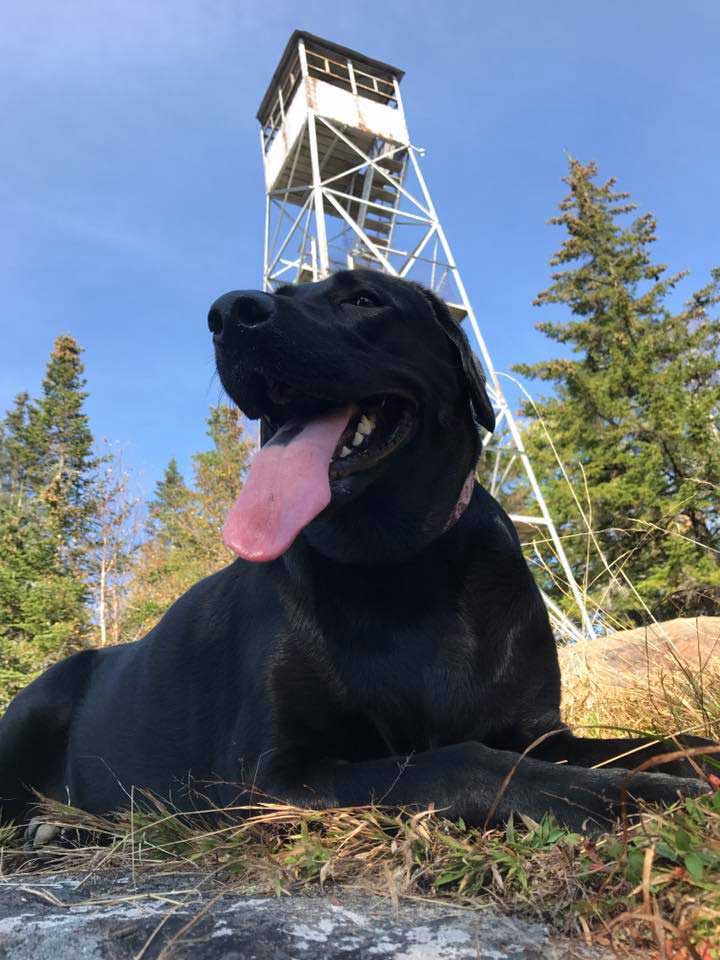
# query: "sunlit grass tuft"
{"type": "Point", "coordinates": [659, 877]}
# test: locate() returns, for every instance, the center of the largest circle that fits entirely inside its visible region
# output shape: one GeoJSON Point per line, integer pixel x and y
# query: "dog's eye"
{"type": "Point", "coordinates": [362, 300]}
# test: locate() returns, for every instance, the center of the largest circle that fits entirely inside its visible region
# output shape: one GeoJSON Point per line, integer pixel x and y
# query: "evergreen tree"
{"type": "Point", "coordinates": [41, 607]}
{"type": "Point", "coordinates": [184, 542]}
{"type": "Point", "coordinates": [166, 509]}
{"type": "Point", "coordinates": [634, 414]}
{"type": "Point", "coordinates": [16, 456]}
{"type": "Point", "coordinates": [47, 511]}
{"type": "Point", "coordinates": [59, 433]}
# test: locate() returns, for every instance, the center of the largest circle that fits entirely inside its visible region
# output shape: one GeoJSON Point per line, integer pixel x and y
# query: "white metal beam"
{"type": "Point", "coordinates": [311, 246]}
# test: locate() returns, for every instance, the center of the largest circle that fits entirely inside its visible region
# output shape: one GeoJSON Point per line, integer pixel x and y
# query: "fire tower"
{"type": "Point", "coordinates": [344, 189]}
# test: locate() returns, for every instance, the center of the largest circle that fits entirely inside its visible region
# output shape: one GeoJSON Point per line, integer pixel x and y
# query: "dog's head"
{"type": "Point", "coordinates": [365, 387]}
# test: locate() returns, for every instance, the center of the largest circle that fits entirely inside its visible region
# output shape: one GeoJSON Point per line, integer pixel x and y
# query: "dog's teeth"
{"type": "Point", "coordinates": [358, 439]}
{"type": "Point", "coordinates": [345, 452]}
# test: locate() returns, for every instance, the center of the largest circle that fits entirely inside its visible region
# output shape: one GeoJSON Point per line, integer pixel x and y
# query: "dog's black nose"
{"type": "Point", "coordinates": [240, 308]}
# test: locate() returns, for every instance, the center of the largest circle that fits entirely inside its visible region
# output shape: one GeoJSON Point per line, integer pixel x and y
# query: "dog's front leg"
{"type": "Point", "coordinates": [482, 785]}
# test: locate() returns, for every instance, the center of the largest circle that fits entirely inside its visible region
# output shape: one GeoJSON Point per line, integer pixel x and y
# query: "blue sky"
{"type": "Point", "coordinates": [131, 186]}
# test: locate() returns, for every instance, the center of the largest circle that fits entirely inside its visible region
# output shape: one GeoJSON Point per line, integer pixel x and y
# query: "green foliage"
{"type": "Point", "coordinates": [61, 444]}
{"type": "Point", "coordinates": [654, 882]}
{"type": "Point", "coordinates": [46, 515]}
{"type": "Point", "coordinates": [634, 414]}
{"type": "Point", "coordinates": [71, 573]}
{"type": "Point", "coordinates": [41, 607]}
{"type": "Point", "coordinates": [184, 530]}
{"type": "Point", "coordinates": [167, 510]}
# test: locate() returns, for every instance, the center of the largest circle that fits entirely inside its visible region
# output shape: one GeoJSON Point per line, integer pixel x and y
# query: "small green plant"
{"type": "Point", "coordinates": [655, 881]}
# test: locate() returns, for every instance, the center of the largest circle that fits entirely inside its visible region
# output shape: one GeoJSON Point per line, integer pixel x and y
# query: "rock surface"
{"type": "Point", "coordinates": [72, 918]}
{"type": "Point", "coordinates": [626, 656]}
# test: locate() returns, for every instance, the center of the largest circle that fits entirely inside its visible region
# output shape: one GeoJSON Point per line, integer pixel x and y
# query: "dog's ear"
{"type": "Point", "coordinates": [480, 406]}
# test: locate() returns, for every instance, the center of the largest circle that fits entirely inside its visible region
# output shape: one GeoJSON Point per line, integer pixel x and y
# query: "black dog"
{"type": "Point", "coordinates": [381, 637]}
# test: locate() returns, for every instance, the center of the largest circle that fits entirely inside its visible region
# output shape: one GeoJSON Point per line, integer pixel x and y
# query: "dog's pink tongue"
{"type": "Point", "coordinates": [286, 488]}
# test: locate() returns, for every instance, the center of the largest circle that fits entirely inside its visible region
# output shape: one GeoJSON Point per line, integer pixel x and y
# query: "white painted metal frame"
{"type": "Point", "coordinates": [308, 249]}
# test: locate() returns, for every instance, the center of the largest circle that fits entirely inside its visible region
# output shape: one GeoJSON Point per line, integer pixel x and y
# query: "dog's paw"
{"type": "Point", "coordinates": [695, 765]}
{"type": "Point", "coordinates": [617, 794]}
{"type": "Point", "coordinates": [666, 789]}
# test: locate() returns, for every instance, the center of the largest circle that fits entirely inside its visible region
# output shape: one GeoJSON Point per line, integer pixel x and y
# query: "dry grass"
{"type": "Point", "coordinates": [665, 703]}
{"type": "Point", "coordinates": [656, 880]}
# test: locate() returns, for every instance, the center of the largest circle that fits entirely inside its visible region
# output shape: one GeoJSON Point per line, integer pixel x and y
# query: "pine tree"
{"type": "Point", "coordinates": [16, 456]}
{"type": "Point", "coordinates": [59, 431]}
{"type": "Point", "coordinates": [41, 607]}
{"type": "Point", "coordinates": [47, 510]}
{"type": "Point", "coordinates": [184, 530]}
{"type": "Point", "coordinates": [166, 509]}
{"type": "Point", "coordinates": [634, 415]}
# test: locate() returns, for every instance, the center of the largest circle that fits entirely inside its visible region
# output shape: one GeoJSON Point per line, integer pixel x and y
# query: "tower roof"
{"type": "Point", "coordinates": [315, 41]}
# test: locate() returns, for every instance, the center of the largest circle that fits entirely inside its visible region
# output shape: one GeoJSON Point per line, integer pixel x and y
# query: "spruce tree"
{"type": "Point", "coordinates": [47, 511]}
{"type": "Point", "coordinates": [41, 607]}
{"type": "Point", "coordinates": [166, 510]}
{"type": "Point", "coordinates": [634, 413]}
{"type": "Point", "coordinates": [59, 431]}
{"type": "Point", "coordinates": [16, 456]}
